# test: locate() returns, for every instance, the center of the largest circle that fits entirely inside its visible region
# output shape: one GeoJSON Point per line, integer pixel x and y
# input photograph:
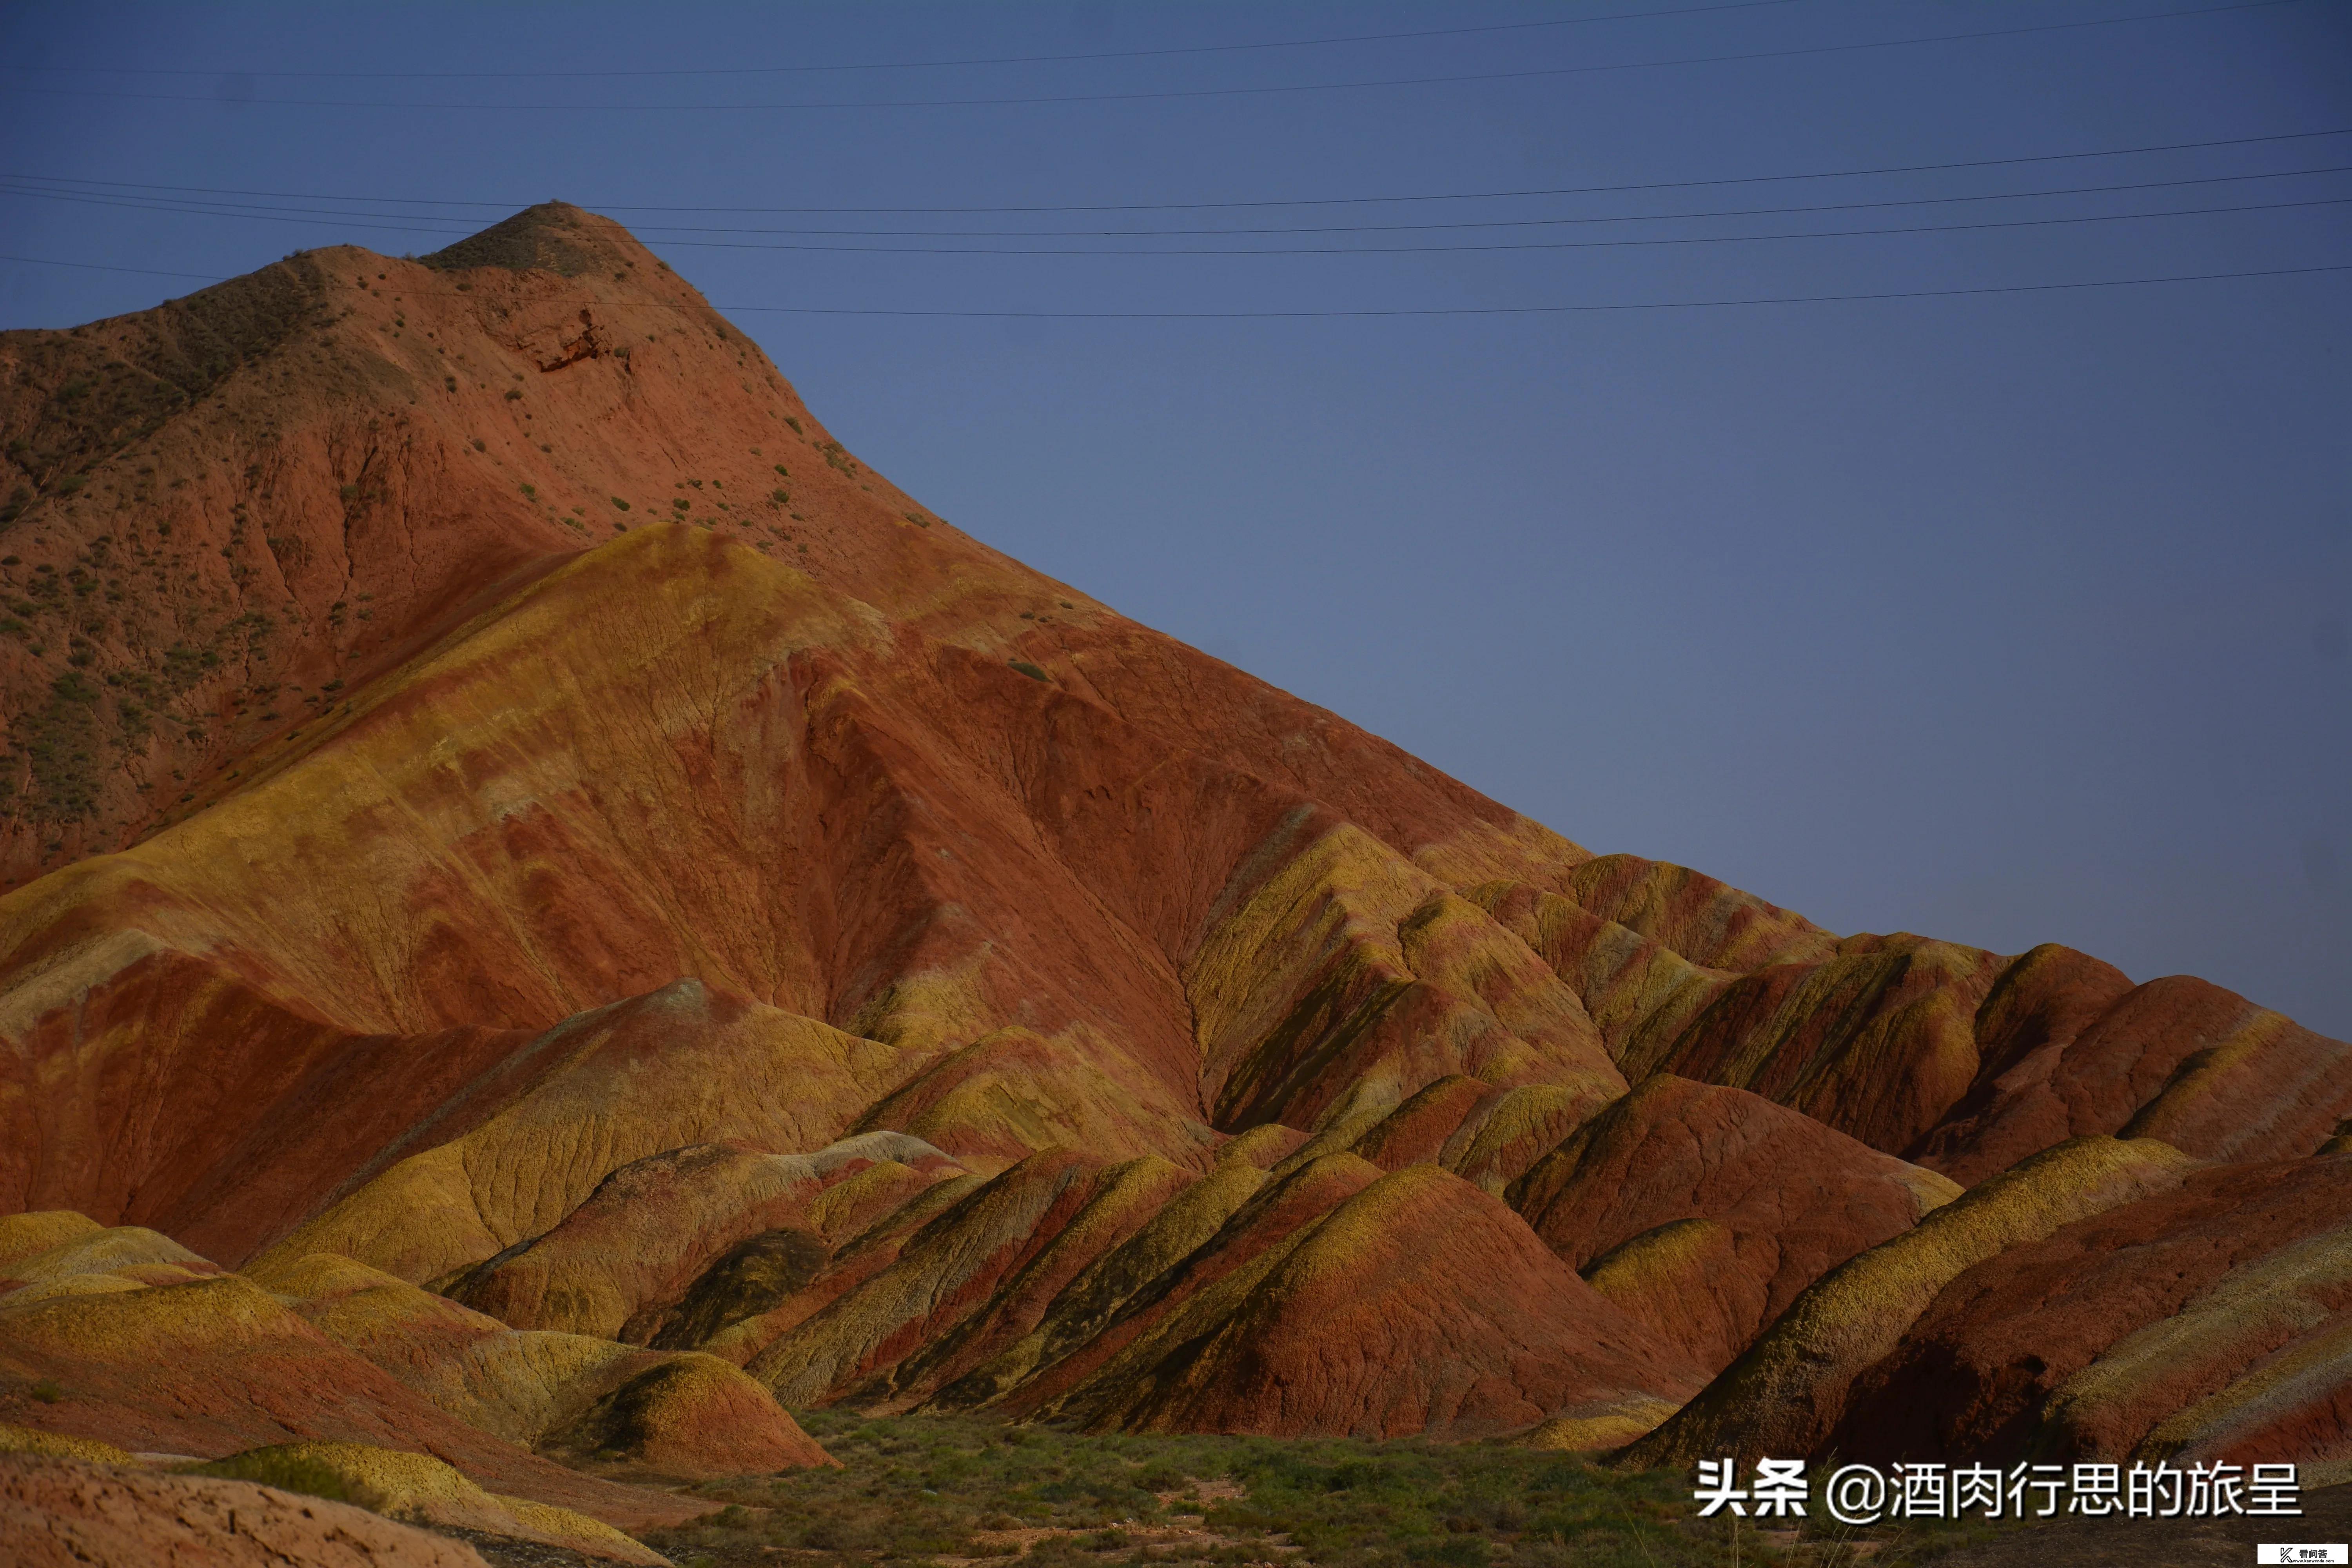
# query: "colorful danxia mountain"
{"type": "Point", "coordinates": [553, 917]}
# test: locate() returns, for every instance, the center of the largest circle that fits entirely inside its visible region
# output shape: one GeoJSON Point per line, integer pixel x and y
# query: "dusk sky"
{"type": "Point", "coordinates": [1989, 609]}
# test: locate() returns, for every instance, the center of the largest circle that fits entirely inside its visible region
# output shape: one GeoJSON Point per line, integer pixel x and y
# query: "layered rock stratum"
{"type": "Point", "coordinates": [552, 915]}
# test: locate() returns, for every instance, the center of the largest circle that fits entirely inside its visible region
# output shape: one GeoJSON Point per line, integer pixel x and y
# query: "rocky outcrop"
{"type": "Point", "coordinates": [651, 1226]}
{"type": "Point", "coordinates": [1421, 1304]}
{"type": "Point", "coordinates": [420, 1488]}
{"type": "Point", "coordinates": [2176, 1058]}
{"type": "Point", "coordinates": [1705, 1211]}
{"type": "Point", "coordinates": [67, 1515]}
{"type": "Point", "coordinates": [2206, 1321]}
{"type": "Point", "coordinates": [1787, 1393]}
{"type": "Point", "coordinates": [183, 1357]}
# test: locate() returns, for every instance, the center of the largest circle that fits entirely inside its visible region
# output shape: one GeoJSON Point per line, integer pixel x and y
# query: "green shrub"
{"type": "Point", "coordinates": [274, 1468]}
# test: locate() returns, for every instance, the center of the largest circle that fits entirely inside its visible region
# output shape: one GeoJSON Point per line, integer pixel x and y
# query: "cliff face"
{"type": "Point", "coordinates": [489, 776]}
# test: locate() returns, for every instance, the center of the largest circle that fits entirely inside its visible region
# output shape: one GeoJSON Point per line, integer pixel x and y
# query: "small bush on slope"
{"type": "Point", "coordinates": [287, 1472]}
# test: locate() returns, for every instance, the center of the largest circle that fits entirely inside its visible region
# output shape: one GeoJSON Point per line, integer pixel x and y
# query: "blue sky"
{"type": "Point", "coordinates": [2004, 616]}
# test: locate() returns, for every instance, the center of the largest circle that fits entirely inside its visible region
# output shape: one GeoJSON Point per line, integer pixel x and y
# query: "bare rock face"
{"type": "Point", "coordinates": [653, 1226]}
{"type": "Point", "coordinates": [184, 1358]}
{"type": "Point", "coordinates": [1421, 1304]}
{"type": "Point", "coordinates": [1787, 1392]}
{"type": "Point", "coordinates": [2207, 1321]}
{"type": "Point", "coordinates": [421, 1488]}
{"type": "Point", "coordinates": [56, 1514]}
{"type": "Point", "coordinates": [1783, 1200]}
{"type": "Point", "coordinates": [548, 911]}
{"type": "Point", "coordinates": [1176, 1285]}
{"type": "Point", "coordinates": [2178, 1058]}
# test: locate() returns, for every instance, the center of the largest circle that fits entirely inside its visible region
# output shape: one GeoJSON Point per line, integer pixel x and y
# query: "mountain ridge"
{"type": "Point", "coordinates": [491, 775]}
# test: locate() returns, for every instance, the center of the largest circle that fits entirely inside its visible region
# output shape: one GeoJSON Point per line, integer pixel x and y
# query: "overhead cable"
{"type": "Point", "coordinates": [512, 206]}
{"type": "Point", "coordinates": [1229, 251]}
{"type": "Point", "coordinates": [1428, 311]}
{"type": "Point", "coordinates": [339, 216]}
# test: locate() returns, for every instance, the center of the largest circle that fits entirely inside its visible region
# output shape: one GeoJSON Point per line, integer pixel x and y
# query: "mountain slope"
{"type": "Point", "coordinates": [496, 790]}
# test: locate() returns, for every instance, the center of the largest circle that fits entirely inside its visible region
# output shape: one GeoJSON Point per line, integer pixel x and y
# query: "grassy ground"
{"type": "Point", "coordinates": [923, 1490]}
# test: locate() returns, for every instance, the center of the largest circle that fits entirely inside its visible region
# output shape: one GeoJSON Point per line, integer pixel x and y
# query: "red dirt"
{"type": "Point", "coordinates": [56, 1514]}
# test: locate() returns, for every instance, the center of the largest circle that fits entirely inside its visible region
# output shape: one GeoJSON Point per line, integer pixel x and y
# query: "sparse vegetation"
{"type": "Point", "coordinates": [918, 1488]}
{"type": "Point", "coordinates": [113, 394]}
{"type": "Point", "coordinates": [287, 1472]}
{"type": "Point", "coordinates": [59, 742]}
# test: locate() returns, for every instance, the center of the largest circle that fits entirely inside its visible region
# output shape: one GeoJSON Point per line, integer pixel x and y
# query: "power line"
{"type": "Point", "coordinates": [103, 267]}
{"type": "Point", "coordinates": [1168, 94]}
{"type": "Point", "coordinates": [914, 65]}
{"type": "Point", "coordinates": [1276, 202]}
{"type": "Point", "coordinates": [323, 215]}
{"type": "Point", "coordinates": [1543, 309]}
{"type": "Point", "coordinates": [1479, 247]}
{"type": "Point", "coordinates": [1308, 315]}
{"type": "Point", "coordinates": [335, 220]}
{"type": "Point", "coordinates": [1532, 222]}
{"type": "Point", "coordinates": [1499, 245]}
{"type": "Point", "coordinates": [1507, 245]}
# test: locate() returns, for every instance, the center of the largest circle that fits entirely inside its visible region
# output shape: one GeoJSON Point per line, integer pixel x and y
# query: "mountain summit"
{"type": "Point", "coordinates": [510, 822]}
